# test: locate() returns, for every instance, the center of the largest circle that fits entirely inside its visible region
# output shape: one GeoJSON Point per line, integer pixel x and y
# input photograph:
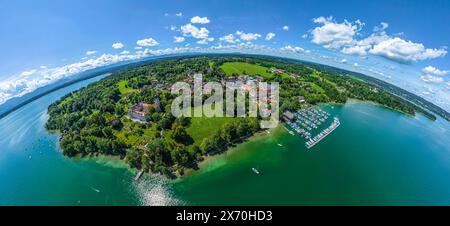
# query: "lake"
{"type": "Point", "coordinates": [376, 157]}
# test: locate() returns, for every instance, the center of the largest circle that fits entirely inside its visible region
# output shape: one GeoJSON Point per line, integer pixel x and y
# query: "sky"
{"type": "Point", "coordinates": [401, 42]}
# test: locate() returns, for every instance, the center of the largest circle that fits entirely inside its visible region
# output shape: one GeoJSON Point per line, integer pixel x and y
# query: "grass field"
{"type": "Point", "coordinates": [122, 87]}
{"type": "Point", "coordinates": [245, 68]}
{"type": "Point", "coordinates": [202, 128]}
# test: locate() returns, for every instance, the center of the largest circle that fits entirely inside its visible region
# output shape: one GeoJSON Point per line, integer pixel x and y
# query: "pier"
{"type": "Point", "coordinates": [312, 142]}
{"type": "Point", "coordinates": [139, 175]}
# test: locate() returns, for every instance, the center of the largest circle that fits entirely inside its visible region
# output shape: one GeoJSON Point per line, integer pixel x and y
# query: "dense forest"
{"type": "Point", "coordinates": [95, 119]}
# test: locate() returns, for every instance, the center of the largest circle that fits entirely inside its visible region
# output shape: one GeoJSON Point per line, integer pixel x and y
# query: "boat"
{"type": "Point", "coordinates": [280, 145]}
{"type": "Point", "coordinates": [255, 171]}
{"type": "Point", "coordinates": [292, 133]}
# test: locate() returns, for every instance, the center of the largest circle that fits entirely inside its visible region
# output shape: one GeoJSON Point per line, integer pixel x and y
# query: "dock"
{"type": "Point", "coordinates": [313, 141]}
{"type": "Point", "coordinates": [139, 175]}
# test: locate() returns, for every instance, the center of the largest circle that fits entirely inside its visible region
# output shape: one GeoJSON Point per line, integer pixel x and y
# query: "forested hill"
{"type": "Point", "coordinates": [411, 97]}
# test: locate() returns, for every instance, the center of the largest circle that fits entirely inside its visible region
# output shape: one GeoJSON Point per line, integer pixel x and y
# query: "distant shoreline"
{"type": "Point", "coordinates": [64, 85]}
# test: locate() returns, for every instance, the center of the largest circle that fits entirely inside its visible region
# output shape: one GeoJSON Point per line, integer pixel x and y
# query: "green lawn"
{"type": "Point", "coordinates": [201, 128]}
{"type": "Point", "coordinates": [122, 87]}
{"type": "Point", "coordinates": [249, 69]}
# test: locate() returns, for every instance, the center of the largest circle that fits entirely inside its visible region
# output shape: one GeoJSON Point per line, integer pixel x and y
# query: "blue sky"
{"type": "Point", "coordinates": [402, 42]}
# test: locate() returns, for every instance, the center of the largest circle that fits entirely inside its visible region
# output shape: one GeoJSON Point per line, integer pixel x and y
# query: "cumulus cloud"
{"type": "Point", "coordinates": [125, 52]}
{"type": "Point", "coordinates": [190, 30]}
{"type": "Point", "coordinates": [148, 42]}
{"type": "Point", "coordinates": [432, 79]}
{"type": "Point", "coordinates": [285, 28]}
{"type": "Point", "coordinates": [403, 51]}
{"type": "Point", "coordinates": [199, 20]}
{"type": "Point", "coordinates": [177, 39]}
{"type": "Point", "coordinates": [205, 41]}
{"type": "Point", "coordinates": [270, 36]}
{"type": "Point", "coordinates": [434, 71]}
{"type": "Point", "coordinates": [118, 45]}
{"type": "Point", "coordinates": [248, 36]}
{"type": "Point", "coordinates": [91, 52]}
{"type": "Point", "coordinates": [173, 28]}
{"type": "Point", "coordinates": [295, 49]}
{"type": "Point", "coordinates": [229, 38]}
{"type": "Point", "coordinates": [334, 35]}
{"type": "Point", "coordinates": [343, 37]}
{"type": "Point", "coordinates": [180, 14]}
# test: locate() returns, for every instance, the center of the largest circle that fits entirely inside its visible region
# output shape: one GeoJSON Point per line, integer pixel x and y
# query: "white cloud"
{"type": "Point", "coordinates": [403, 51]}
{"type": "Point", "coordinates": [138, 47]}
{"type": "Point", "coordinates": [118, 45]}
{"type": "Point", "coordinates": [28, 73]}
{"type": "Point", "coordinates": [229, 38]}
{"type": "Point", "coordinates": [356, 50]}
{"type": "Point", "coordinates": [205, 41]}
{"type": "Point", "coordinates": [91, 52]}
{"type": "Point", "coordinates": [383, 26]}
{"type": "Point", "coordinates": [344, 61]}
{"type": "Point", "coordinates": [190, 30]}
{"type": "Point", "coordinates": [334, 35]}
{"type": "Point", "coordinates": [147, 42]}
{"type": "Point", "coordinates": [248, 36]}
{"type": "Point", "coordinates": [355, 65]}
{"type": "Point", "coordinates": [178, 39]}
{"type": "Point", "coordinates": [285, 28]}
{"type": "Point", "coordinates": [305, 36]}
{"type": "Point", "coordinates": [270, 36]}
{"type": "Point", "coordinates": [180, 14]}
{"type": "Point", "coordinates": [342, 36]}
{"type": "Point", "coordinates": [43, 67]}
{"type": "Point", "coordinates": [432, 79]}
{"type": "Point", "coordinates": [199, 20]}
{"type": "Point", "coordinates": [448, 85]}
{"type": "Point", "coordinates": [125, 52]}
{"type": "Point", "coordinates": [173, 28]}
{"type": "Point", "coordinates": [434, 71]}
{"type": "Point", "coordinates": [295, 49]}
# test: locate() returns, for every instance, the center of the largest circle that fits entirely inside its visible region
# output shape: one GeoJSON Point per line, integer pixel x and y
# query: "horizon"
{"type": "Point", "coordinates": [69, 40]}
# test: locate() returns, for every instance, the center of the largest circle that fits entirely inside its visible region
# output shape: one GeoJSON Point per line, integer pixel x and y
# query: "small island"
{"type": "Point", "coordinates": [128, 114]}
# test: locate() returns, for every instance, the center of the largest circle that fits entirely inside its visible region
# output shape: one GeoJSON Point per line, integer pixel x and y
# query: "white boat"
{"type": "Point", "coordinates": [292, 133]}
{"type": "Point", "coordinates": [280, 145]}
{"type": "Point", "coordinates": [255, 171]}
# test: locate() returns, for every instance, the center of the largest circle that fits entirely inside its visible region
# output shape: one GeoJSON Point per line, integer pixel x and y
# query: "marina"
{"type": "Point", "coordinates": [308, 121]}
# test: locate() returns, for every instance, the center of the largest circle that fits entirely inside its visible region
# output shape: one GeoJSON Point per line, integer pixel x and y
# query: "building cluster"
{"type": "Point", "coordinates": [281, 72]}
{"type": "Point", "coordinates": [140, 110]}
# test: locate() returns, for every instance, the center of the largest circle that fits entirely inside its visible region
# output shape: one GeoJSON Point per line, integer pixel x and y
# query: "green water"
{"type": "Point", "coordinates": [376, 157]}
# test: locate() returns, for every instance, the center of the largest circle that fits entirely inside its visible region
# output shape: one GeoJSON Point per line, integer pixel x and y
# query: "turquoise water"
{"type": "Point", "coordinates": [34, 172]}
{"type": "Point", "coordinates": [376, 157]}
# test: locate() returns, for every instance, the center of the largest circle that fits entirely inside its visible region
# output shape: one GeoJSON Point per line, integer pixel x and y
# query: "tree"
{"type": "Point", "coordinates": [117, 124]}
{"type": "Point", "coordinates": [181, 136]}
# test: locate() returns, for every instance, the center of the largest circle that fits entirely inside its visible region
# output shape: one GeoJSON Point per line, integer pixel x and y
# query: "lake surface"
{"type": "Point", "coordinates": [376, 157]}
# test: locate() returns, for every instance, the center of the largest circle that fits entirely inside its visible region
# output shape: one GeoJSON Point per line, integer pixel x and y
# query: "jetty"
{"type": "Point", "coordinates": [313, 141]}
{"type": "Point", "coordinates": [139, 175]}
